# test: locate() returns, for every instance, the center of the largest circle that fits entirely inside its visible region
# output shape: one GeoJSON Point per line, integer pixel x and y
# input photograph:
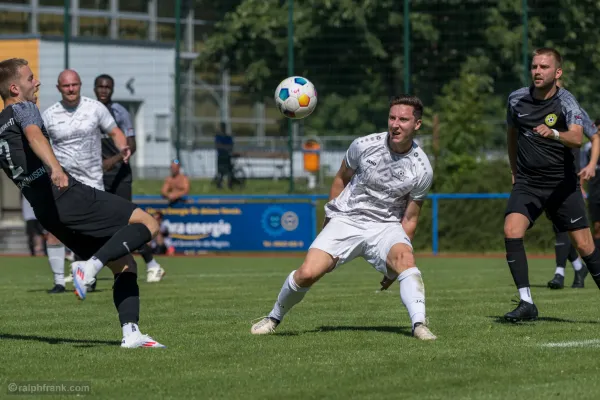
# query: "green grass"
{"type": "Point", "coordinates": [343, 341]}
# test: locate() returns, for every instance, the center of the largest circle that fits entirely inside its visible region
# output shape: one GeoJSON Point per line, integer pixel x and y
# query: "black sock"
{"type": "Point", "coordinates": [126, 295]}
{"type": "Point", "coordinates": [517, 261]}
{"type": "Point", "coordinates": [573, 255]}
{"type": "Point", "coordinates": [146, 252]}
{"type": "Point", "coordinates": [562, 249]}
{"type": "Point", "coordinates": [592, 262]}
{"type": "Point", "coordinates": [126, 240]}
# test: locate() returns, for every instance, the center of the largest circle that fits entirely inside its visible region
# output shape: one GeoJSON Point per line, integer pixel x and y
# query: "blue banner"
{"type": "Point", "coordinates": [236, 226]}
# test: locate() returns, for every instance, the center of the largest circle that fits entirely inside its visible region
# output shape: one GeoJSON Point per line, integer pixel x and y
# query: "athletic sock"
{"type": "Point", "coordinates": [290, 295]}
{"type": "Point", "coordinates": [577, 264]}
{"type": "Point", "coordinates": [562, 248]}
{"type": "Point", "coordinates": [126, 296]}
{"type": "Point", "coordinates": [592, 262]}
{"type": "Point", "coordinates": [560, 271]}
{"type": "Point", "coordinates": [412, 294]}
{"type": "Point", "coordinates": [56, 258]}
{"type": "Point", "coordinates": [146, 252]}
{"type": "Point", "coordinates": [126, 240]}
{"type": "Point", "coordinates": [517, 262]}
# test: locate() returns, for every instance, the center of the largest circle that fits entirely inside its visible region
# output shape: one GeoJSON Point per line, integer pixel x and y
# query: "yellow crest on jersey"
{"type": "Point", "coordinates": [551, 119]}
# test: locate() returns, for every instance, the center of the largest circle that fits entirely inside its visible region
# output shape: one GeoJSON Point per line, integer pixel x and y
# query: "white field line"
{"type": "Point", "coordinates": [579, 343]}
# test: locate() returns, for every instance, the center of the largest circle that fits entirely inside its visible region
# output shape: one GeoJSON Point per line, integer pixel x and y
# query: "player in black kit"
{"type": "Point", "coordinates": [544, 127]}
{"type": "Point", "coordinates": [118, 177]}
{"type": "Point", "coordinates": [98, 226]}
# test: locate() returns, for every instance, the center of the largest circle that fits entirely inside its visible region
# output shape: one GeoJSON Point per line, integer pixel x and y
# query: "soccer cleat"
{"type": "Point", "coordinates": [83, 278]}
{"type": "Point", "coordinates": [57, 289]}
{"type": "Point", "coordinates": [265, 326]}
{"type": "Point", "coordinates": [155, 274]}
{"type": "Point", "coordinates": [578, 280]}
{"type": "Point", "coordinates": [524, 312]}
{"type": "Point", "coordinates": [134, 341]}
{"type": "Point", "coordinates": [558, 282]}
{"type": "Point", "coordinates": [92, 287]}
{"type": "Point", "coordinates": [422, 332]}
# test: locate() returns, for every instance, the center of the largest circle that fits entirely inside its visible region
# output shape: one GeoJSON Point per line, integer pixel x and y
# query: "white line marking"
{"type": "Point", "coordinates": [580, 343]}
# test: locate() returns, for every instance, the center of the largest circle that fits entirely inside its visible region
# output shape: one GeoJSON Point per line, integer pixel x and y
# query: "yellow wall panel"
{"type": "Point", "coordinates": [22, 48]}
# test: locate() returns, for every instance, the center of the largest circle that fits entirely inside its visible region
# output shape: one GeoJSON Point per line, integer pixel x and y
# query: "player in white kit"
{"type": "Point", "coordinates": [75, 125]}
{"type": "Point", "coordinates": [375, 202]}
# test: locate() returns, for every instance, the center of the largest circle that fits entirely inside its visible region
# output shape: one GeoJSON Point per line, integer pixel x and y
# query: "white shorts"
{"type": "Point", "coordinates": [373, 241]}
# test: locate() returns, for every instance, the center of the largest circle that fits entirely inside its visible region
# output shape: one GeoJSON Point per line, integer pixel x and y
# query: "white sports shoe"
{"type": "Point", "coordinates": [264, 327]}
{"type": "Point", "coordinates": [422, 332]}
{"type": "Point", "coordinates": [155, 274]}
{"type": "Point", "coordinates": [139, 340]}
{"type": "Point", "coordinates": [83, 278]}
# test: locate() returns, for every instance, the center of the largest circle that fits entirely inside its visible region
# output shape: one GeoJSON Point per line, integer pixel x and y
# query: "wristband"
{"type": "Point", "coordinates": [556, 134]}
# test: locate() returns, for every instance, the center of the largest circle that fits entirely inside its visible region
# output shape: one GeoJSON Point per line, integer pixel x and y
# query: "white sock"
{"type": "Point", "coordinates": [56, 258]}
{"type": "Point", "coordinates": [525, 294]}
{"type": "Point", "coordinates": [152, 264]}
{"type": "Point", "coordinates": [412, 294]}
{"type": "Point", "coordinates": [560, 271]}
{"type": "Point", "coordinates": [290, 295]}
{"type": "Point", "coordinates": [130, 329]}
{"type": "Point", "coordinates": [95, 264]}
{"type": "Point", "coordinates": [577, 264]}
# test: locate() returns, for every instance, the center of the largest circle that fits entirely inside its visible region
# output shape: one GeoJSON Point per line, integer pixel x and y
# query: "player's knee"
{"type": "Point", "coordinates": [512, 231]}
{"type": "Point", "coordinates": [123, 264]}
{"type": "Point", "coordinates": [403, 260]}
{"type": "Point", "coordinates": [142, 217]}
{"type": "Point", "coordinates": [584, 244]}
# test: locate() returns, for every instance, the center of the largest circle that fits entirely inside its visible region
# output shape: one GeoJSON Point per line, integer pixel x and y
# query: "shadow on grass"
{"type": "Point", "coordinates": [55, 340]}
{"type": "Point", "coordinates": [68, 291]}
{"type": "Point", "coordinates": [501, 320]}
{"type": "Point", "coordinates": [406, 331]}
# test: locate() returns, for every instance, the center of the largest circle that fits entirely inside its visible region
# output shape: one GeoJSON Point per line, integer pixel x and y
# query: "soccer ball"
{"type": "Point", "coordinates": [296, 97]}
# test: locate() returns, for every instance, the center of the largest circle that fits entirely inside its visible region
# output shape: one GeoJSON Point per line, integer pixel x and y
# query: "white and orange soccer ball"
{"type": "Point", "coordinates": [296, 97]}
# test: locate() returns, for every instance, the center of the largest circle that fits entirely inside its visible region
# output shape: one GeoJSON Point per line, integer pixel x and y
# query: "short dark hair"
{"type": "Point", "coordinates": [545, 51]}
{"type": "Point", "coordinates": [9, 70]}
{"type": "Point", "coordinates": [408, 100]}
{"type": "Point", "coordinates": [104, 76]}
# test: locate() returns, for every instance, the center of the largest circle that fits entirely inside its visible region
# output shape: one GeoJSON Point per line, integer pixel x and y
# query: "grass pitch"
{"type": "Point", "coordinates": [345, 340]}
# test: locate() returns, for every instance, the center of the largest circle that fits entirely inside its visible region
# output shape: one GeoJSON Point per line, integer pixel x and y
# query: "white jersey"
{"type": "Point", "coordinates": [75, 135]}
{"type": "Point", "coordinates": [383, 183]}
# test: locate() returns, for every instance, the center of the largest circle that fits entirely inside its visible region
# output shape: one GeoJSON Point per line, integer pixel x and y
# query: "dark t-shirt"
{"type": "Point", "coordinates": [18, 160]}
{"type": "Point", "coordinates": [543, 162]}
{"type": "Point", "coordinates": [121, 172]}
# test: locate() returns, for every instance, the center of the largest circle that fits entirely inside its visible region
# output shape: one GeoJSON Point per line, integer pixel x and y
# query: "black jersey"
{"type": "Point", "coordinates": [17, 158]}
{"type": "Point", "coordinates": [543, 162]}
{"type": "Point", "coordinates": [121, 172]}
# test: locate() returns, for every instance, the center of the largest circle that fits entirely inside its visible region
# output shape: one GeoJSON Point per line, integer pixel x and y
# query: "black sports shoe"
{"type": "Point", "coordinates": [92, 287]}
{"type": "Point", "coordinates": [579, 278]}
{"type": "Point", "coordinates": [524, 312]}
{"type": "Point", "coordinates": [558, 282]}
{"type": "Point", "coordinates": [57, 289]}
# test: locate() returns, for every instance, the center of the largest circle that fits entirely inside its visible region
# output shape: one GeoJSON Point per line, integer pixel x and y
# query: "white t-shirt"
{"type": "Point", "coordinates": [75, 136]}
{"type": "Point", "coordinates": [384, 181]}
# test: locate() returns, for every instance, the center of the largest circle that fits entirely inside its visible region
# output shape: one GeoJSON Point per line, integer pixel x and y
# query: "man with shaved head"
{"type": "Point", "coordinates": [75, 125]}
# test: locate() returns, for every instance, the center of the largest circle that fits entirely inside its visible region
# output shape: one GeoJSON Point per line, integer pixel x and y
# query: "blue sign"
{"type": "Point", "coordinates": [236, 226]}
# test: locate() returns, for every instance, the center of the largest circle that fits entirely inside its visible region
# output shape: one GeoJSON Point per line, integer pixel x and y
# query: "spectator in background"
{"type": "Point", "coordinates": [176, 186]}
{"type": "Point", "coordinates": [35, 232]}
{"type": "Point", "coordinates": [224, 146]}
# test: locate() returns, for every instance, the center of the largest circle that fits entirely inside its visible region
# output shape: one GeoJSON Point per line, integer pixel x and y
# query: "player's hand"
{"type": "Point", "coordinates": [588, 172]}
{"type": "Point", "coordinates": [60, 179]}
{"type": "Point", "coordinates": [126, 153]}
{"type": "Point", "coordinates": [386, 282]}
{"type": "Point", "coordinates": [544, 131]}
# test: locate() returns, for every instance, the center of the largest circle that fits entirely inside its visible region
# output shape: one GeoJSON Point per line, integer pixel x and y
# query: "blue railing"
{"type": "Point", "coordinates": [434, 197]}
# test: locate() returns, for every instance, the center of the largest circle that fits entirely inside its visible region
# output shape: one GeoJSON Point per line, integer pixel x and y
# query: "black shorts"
{"type": "Point", "coordinates": [564, 205]}
{"type": "Point", "coordinates": [84, 218]}
{"type": "Point", "coordinates": [120, 188]}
